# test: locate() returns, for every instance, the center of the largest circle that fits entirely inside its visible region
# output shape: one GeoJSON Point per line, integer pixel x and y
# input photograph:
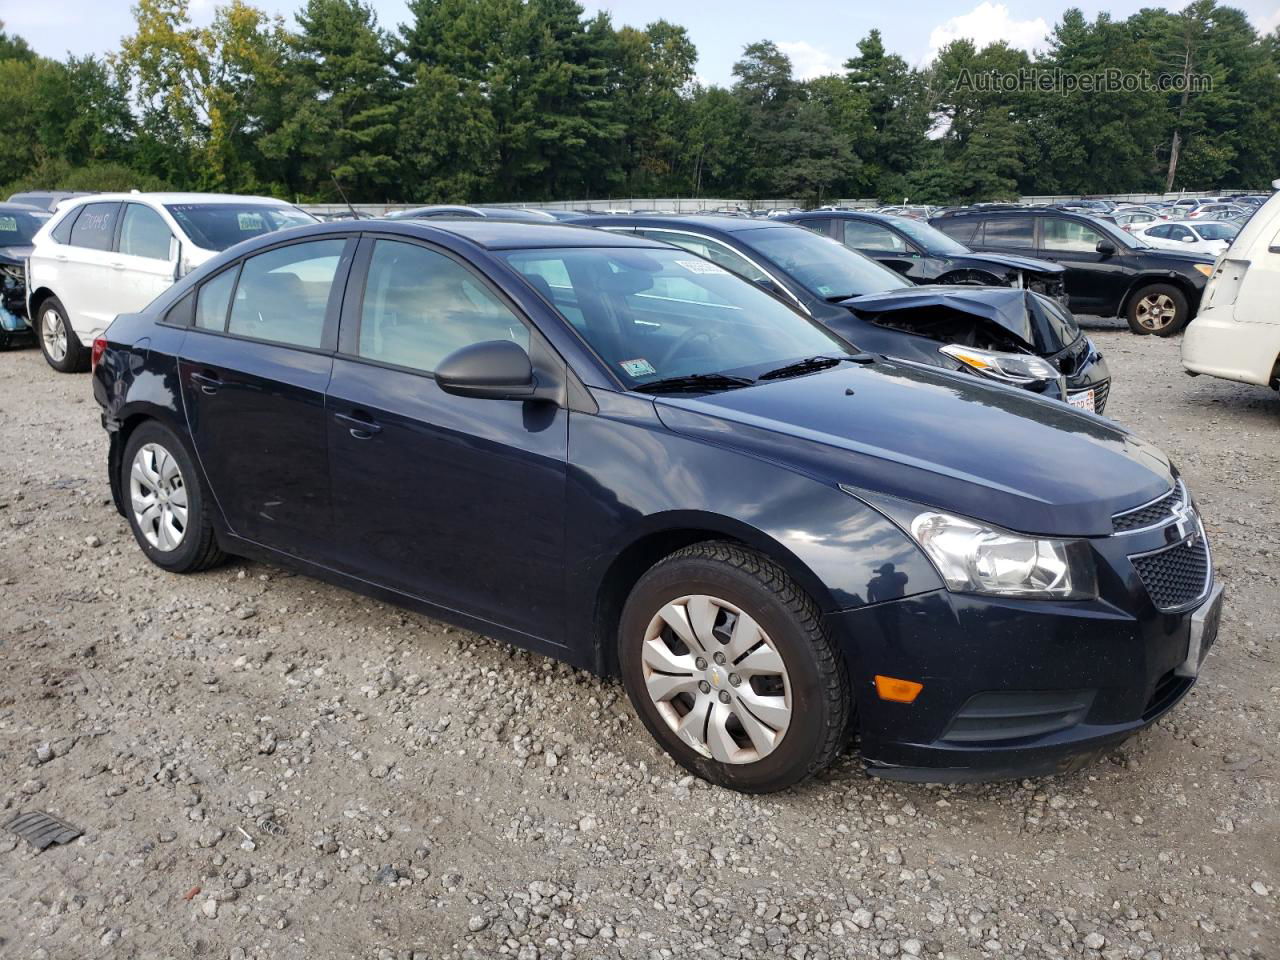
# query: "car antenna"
{"type": "Point", "coordinates": [342, 193]}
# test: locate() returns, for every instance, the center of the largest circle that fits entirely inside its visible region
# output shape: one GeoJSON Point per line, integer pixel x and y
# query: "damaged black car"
{"type": "Point", "coordinates": [18, 224]}
{"type": "Point", "coordinates": [1011, 335]}
{"type": "Point", "coordinates": [925, 254]}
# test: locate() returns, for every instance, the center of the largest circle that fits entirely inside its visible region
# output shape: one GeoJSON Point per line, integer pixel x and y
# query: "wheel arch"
{"type": "Point", "coordinates": [971, 275]}
{"type": "Point", "coordinates": [127, 421]}
{"type": "Point", "coordinates": [1188, 289]}
{"type": "Point", "coordinates": [35, 299]}
{"type": "Point", "coordinates": [662, 536]}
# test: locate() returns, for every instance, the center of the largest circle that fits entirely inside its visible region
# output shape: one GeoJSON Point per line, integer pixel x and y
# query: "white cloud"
{"type": "Point", "coordinates": [808, 61]}
{"type": "Point", "coordinates": [985, 24]}
{"type": "Point", "coordinates": [1268, 23]}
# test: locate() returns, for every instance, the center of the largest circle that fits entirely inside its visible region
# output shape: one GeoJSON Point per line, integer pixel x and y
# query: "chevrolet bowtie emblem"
{"type": "Point", "coordinates": [1186, 525]}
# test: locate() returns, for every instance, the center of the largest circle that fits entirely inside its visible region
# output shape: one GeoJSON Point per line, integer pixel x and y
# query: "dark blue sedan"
{"type": "Point", "coordinates": [616, 453]}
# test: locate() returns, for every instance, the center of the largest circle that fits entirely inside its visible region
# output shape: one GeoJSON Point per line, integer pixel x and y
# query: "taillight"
{"type": "Point", "coordinates": [99, 348]}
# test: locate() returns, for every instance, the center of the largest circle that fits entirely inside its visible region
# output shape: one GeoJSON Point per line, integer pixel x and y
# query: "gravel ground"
{"type": "Point", "coordinates": [269, 767]}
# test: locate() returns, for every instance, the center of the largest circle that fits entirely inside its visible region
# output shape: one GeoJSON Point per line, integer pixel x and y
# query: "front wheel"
{"type": "Point", "coordinates": [726, 661]}
{"type": "Point", "coordinates": [1160, 309]}
{"type": "Point", "coordinates": [61, 347]}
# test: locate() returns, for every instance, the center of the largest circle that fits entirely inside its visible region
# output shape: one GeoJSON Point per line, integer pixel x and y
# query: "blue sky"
{"type": "Point", "coordinates": [817, 34]}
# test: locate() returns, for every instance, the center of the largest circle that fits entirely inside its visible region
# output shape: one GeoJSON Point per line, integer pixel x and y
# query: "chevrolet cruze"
{"type": "Point", "coordinates": [614, 452]}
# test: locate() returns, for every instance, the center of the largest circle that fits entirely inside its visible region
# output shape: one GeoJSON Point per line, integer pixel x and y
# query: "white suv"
{"type": "Point", "coordinates": [107, 254]}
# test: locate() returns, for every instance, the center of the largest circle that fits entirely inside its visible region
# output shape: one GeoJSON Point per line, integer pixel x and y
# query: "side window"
{"type": "Point", "coordinates": [817, 226]}
{"type": "Point", "coordinates": [95, 228]}
{"type": "Point", "coordinates": [960, 229]}
{"type": "Point", "coordinates": [283, 293]}
{"type": "Point", "coordinates": [180, 313]}
{"type": "Point", "coordinates": [863, 235]}
{"type": "Point", "coordinates": [1161, 232]}
{"type": "Point", "coordinates": [1009, 232]}
{"type": "Point", "coordinates": [713, 250]}
{"type": "Point", "coordinates": [211, 304]}
{"type": "Point", "coordinates": [420, 306]}
{"type": "Point", "coordinates": [143, 233]}
{"type": "Point", "coordinates": [62, 232]}
{"type": "Point", "coordinates": [1069, 235]}
{"type": "Point", "coordinates": [1178, 233]}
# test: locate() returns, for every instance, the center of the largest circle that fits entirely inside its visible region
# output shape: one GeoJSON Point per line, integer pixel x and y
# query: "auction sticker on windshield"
{"type": "Point", "coordinates": [637, 368]}
{"type": "Point", "coordinates": [701, 266]}
{"type": "Point", "coordinates": [249, 221]}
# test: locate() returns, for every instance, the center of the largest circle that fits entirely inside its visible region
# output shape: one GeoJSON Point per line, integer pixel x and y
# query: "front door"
{"type": "Point", "coordinates": [253, 369]}
{"type": "Point", "coordinates": [459, 501]}
{"type": "Point", "coordinates": [144, 264]}
{"type": "Point", "coordinates": [1093, 280]}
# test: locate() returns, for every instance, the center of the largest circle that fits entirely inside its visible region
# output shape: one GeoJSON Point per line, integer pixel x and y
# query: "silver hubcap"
{"type": "Point", "coordinates": [1156, 311]}
{"type": "Point", "coordinates": [159, 497]}
{"type": "Point", "coordinates": [54, 334]}
{"type": "Point", "coordinates": [716, 679]}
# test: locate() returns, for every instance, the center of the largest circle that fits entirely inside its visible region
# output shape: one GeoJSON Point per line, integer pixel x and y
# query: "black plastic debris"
{"type": "Point", "coordinates": [42, 829]}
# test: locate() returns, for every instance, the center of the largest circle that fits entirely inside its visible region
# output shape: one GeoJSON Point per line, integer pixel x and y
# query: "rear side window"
{"type": "Point", "coordinates": [143, 233]}
{"type": "Point", "coordinates": [862, 235]}
{"type": "Point", "coordinates": [1009, 232]}
{"type": "Point", "coordinates": [961, 229]}
{"type": "Point", "coordinates": [420, 306]}
{"type": "Point", "coordinates": [62, 232]}
{"type": "Point", "coordinates": [283, 294]}
{"type": "Point", "coordinates": [95, 228]}
{"type": "Point", "coordinates": [817, 226]}
{"type": "Point", "coordinates": [215, 295]}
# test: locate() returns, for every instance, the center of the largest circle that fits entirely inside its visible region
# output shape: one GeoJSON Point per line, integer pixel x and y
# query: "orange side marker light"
{"type": "Point", "coordinates": [898, 691]}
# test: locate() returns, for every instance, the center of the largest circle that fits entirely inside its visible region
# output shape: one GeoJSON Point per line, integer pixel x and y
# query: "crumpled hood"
{"type": "Point", "coordinates": [940, 439]}
{"type": "Point", "coordinates": [1017, 263]}
{"type": "Point", "coordinates": [14, 255]}
{"type": "Point", "coordinates": [1020, 312]}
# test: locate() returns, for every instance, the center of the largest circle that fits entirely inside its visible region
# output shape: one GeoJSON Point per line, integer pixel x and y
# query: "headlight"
{"type": "Point", "coordinates": [1205, 268]}
{"type": "Point", "coordinates": [1006, 367]}
{"type": "Point", "coordinates": [975, 558]}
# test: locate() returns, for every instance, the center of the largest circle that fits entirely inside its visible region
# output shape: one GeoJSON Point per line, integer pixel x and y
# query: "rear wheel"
{"type": "Point", "coordinates": [58, 342]}
{"type": "Point", "coordinates": [166, 503]}
{"type": "Point", "coordinates": [726, 660]}
{"type": "Point", "coordinates": [1160, 309]}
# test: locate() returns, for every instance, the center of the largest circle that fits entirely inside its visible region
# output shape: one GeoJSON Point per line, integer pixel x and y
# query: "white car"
{"type": "Point", "coordinates": [1236, 334]}
{"type": "Point", "coordinates": [1209, 236]}
{"type": "Point", "coordinates": [110, 253]}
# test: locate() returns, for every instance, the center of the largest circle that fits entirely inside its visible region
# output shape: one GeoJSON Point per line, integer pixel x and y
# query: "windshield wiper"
{"type": "Point", "coordinates": [694, 383]}
{"type": "Point", "coordinates": [807, 365]}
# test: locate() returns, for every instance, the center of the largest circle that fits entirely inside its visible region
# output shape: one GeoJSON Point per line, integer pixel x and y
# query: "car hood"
{"type": "Point", "coordinates": [1019, 312]}
{"type": "Point", "coordinates": [14, 255]}
{"type": "Point", "coordinates": [1029, 264]}
{"type": "Point", "coordinates": [940, 439]}
{"type": "Point", "coordinates": [1176, 256]}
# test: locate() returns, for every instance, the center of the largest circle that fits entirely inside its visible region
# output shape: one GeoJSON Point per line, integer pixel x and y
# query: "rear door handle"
{"type": "Point", "coordinates": [208, 383]}
{"type": "Point", "coordinates": [361, 428]}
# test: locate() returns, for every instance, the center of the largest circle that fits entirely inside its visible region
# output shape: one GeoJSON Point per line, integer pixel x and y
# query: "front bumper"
{"type": "Point", "coordinates": [1016, 688]}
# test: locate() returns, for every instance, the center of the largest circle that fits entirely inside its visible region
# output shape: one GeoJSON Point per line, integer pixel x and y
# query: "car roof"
{"type": "Point", "coordinates": [488, 234]}
{"type": "Point", "coordinates": [23, 208]}
{"type": "Point", "coordinates": [167, 198]}
{"type": "Point", "coordinates": [703, 222]}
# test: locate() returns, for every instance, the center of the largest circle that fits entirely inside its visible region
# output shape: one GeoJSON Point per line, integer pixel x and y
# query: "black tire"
{"type": "Point", "coordinates": [1161, 297]}
{"type": "Point", "coordinates": [76, 358]}
{"type": "Point", "coordinates": [820, 698]}
{"type": "Point", "coordinates": [198, 547]}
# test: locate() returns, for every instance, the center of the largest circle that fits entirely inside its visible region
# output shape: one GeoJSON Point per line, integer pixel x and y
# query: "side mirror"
{"type": "Point", "coordinates": [493, 370]}
{"type": "Point", "coordinates": [1105, 247]}
{"type": "Point", "coordinates": [1188, 239]}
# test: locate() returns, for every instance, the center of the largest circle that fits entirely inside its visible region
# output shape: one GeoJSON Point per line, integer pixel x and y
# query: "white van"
{"type": "Point", "coordinates": [110, 253]}
{"type": "Point", "coordinates": [1236, 334]}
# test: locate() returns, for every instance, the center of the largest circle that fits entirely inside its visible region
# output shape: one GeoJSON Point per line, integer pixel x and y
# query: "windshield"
{"type": "Point", "coordinates": [18, 227]}
{"type": "Point", "coordinates": [216, 226]}
{"type": "Point", "coordinates": [654, 314]}
{"type": "Point", "coordinates": [1217, 231]}
{"type": "Point", "coordinates": [822, 265]}
{"type": "Point", "coordinates": [930, 239]}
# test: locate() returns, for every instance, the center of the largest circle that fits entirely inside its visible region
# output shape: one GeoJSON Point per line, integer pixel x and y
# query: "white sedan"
{"type": "Point", "coordinates": [1211, 236]}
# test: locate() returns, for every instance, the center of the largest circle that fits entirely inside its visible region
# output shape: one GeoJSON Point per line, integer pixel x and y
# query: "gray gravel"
{"type": "Point", "coordinates": [268, 767]}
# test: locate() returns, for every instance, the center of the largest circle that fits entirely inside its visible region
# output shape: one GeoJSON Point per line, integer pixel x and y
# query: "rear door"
{"type": "Point", "coordinates": [84, 279]}
{"type": "Point", "coordinates": [459, 501]}
{"type": "Point", "coordinates": [144, 264]}
{"type": "Point", "coordinates": [253, 368]}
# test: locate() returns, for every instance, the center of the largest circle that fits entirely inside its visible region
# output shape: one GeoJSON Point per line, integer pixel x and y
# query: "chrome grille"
{"type": "Point", "coordinates": [1149, 514]}
{"type": "Point", "coordinates": [1177, 576]}
{"type": "Point", "coordinates": [1100, 392]}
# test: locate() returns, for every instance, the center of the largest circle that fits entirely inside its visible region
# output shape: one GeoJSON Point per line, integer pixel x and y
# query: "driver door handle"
{"type": "Point", "coordinates": [361, 428]}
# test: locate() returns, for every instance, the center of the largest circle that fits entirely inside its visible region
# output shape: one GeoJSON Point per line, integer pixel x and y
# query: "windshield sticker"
{"type": "Point", "coordinates": [250, 221]}
{"type": "Point", "coordinates": [825, 291]}
{"type": "Point", "coordinates": [641, 367]}
{"type": "Point", "coordinates": [701, 266]}
{"type": "Point", "coordinates": [8, 224]}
